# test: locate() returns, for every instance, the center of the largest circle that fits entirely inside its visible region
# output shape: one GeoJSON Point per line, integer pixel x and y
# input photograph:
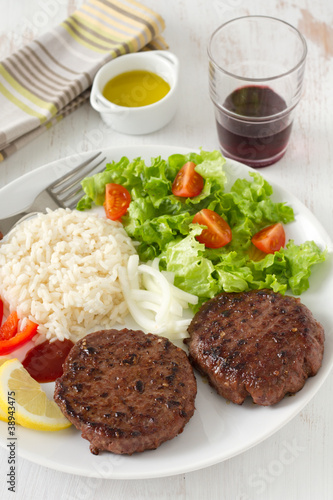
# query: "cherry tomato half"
{"type": "Point", "coordinates": [255, 254]}
{"type": "Point", "coordinates": [218, 232]}
{"type": "Point", "coordinates": [270, 239]}
{"type": "Point", "coordinates": [117, 200]}
{"type": "Point", "coordinates": [188, 183]}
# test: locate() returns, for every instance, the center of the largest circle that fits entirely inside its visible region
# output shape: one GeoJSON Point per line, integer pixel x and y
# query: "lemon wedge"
{"type": "Point", "coordinates": [33, 409]}
{"type": "Point", "coordinates": [3, 415]}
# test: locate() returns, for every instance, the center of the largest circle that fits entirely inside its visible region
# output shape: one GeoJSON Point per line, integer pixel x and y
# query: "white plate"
{"type": "Point", "coordinates": [218, 430]}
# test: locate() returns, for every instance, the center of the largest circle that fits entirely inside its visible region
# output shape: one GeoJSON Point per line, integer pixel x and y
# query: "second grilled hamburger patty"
{"type": "Point", "coordinates": [256, 343]}
{"type": "Point", "coordinates": [126, 391]}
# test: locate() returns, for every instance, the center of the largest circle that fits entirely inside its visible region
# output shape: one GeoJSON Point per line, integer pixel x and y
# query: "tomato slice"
{"type": "Point", "coordinates": [255, 254]}
{"type": "Point", "coordinates": [9, 328]}
{"type": "Point", "coordinates": [19, 338]}
{"type": "Point", "coordinates": [270, 239]}
{"type": "Point", "coordinates": [188, 183]}
{"type": "Point", "coordinates": [218, 232]}
{"type": "Point", "coordinates": [117, 200]}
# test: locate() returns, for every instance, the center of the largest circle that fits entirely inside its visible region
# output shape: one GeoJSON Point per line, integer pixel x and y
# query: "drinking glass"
{"type": "Point", "coordinates": [256, 69]}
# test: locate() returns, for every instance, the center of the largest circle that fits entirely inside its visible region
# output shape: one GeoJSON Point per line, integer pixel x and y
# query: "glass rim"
{"type": "Point", "coordinates": [267, 79]}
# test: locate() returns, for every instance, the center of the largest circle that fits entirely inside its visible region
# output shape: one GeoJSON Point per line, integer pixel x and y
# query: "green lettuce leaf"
{"type": "Point", "coordinates": [193, 272]}
{"type": "Point", "coordinates": [161, 223]}
{"type": "Point", "coordinates": [300, 261]}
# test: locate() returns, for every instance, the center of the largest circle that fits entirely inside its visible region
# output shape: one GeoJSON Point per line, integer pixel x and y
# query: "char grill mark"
{"type": "Point", "coordinates": [126, 391]}
{"type": "Point", "coordinates": [256, 343]}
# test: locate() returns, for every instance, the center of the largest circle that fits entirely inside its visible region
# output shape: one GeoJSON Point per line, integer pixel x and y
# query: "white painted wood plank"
{"type": "Point", "coordinates": [296, 463]}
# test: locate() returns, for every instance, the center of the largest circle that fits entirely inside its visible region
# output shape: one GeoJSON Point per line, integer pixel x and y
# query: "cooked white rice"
{"type": "Point", "coordinates": [60, 270]}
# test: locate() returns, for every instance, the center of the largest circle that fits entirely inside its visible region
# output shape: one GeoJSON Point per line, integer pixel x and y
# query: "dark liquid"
{"type": "Point", "coordinates": [258, 143]}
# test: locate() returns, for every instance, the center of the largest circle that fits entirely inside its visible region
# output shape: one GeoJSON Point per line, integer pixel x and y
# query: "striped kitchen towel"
{"type": "Point", "coordinates": [50, 77]}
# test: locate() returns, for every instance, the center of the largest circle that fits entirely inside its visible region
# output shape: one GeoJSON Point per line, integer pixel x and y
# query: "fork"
{"type": "Point", "coordinates": [65, 192]}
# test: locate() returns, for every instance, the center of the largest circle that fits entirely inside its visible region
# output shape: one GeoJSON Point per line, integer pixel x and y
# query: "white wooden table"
{"type": "Point", "coordinates": [263, 472]}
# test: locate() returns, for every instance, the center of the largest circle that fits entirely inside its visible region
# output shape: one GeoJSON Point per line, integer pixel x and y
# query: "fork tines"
{"type": "Point", "coordinates": [67, 190]}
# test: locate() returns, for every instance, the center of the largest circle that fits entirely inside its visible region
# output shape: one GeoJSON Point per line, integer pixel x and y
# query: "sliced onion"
{"type": "Point", "coordinates": [154, 302]}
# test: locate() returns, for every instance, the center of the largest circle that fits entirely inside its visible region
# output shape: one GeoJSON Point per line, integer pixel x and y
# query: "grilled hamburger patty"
{"type": "Point", "coordinates": [126, 391]}
{"type": "Point", "coordinates": [256, 343]}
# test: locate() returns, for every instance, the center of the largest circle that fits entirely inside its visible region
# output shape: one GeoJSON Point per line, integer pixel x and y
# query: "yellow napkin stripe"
{"type": "Point", "coordinates": [118, 22]}
{"type": "Point", "coordinates": [90, 33]}
{"type": "Point", "coordinates": [102, 19]}
{"type": "Point", "coordinates": [101, 30]}
{"type": "Point", "coordinates": [29, 136]}
{"type": "Point", "coordinates": [79, 37]}
{"type": "Point", "coordinates": [87, 33]}
{"type": "Point", "coordinates": [5, 92]}
{"type": "Point", "coordinates": [41, 80]}
{"type": "Point", "coordinates": [53, 59]}
{"type": "Point", "coordinates": [26, 93]}
{"type": "Point", "coordinates": [136, 12]}
{"type": "Point", "coordinates": [21, 73]}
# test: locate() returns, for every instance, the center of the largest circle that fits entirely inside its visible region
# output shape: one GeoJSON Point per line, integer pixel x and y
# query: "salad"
{"type": "Point", "coordinates": [164, 221]}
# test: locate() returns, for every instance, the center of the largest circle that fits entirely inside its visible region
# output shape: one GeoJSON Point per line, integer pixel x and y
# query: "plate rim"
{"type": "Point", "coordinates": [324, 371]}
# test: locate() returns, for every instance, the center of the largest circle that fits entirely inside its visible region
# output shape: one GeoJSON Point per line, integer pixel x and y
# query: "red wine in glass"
{"type": "Point", "coordinates": [258, 136]}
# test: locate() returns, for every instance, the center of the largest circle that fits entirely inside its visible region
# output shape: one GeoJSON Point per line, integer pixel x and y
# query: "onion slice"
{"type": "Point", "coordinates": [153, 300]}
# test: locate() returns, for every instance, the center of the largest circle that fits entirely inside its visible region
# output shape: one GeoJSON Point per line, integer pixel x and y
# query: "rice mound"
{"type": "Point", "coordinates": [60, 269]}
